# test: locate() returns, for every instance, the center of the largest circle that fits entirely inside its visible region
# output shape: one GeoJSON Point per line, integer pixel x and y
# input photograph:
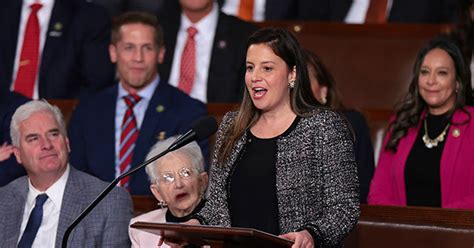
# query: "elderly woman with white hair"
{"type": "Point", "coordinates": [178, 182]}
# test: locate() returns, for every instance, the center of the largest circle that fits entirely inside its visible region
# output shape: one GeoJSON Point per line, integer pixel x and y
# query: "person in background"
{"type": "Point", "coordinates": [37, 209]}
{"type": "Point", "coordinates": [178, 182]}
{"type": "Point", "coordinates": [281, 164]}
{"type": "Point", "coordinates": [427, 158]}
{"type": "Point", "coordinates": [9, 167]}
{"type": "Point", "coordinates": [324, 89]}
{"type": "Point", "coordinates": [54, 48]}
{"type": "Point", "coordinates": [205, 50]}
{"type": "Point", "coordinates": [113, 130]}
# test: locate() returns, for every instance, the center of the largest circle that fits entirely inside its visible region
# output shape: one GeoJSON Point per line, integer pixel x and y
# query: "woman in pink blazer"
{"type": "Point", "coordinates": [427, 158]}
{"type": "Point", "coordinates": [178, 182]}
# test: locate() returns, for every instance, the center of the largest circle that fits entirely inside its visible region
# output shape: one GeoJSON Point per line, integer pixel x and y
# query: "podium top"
{"type": "Point", "coordinates": [227, 237]}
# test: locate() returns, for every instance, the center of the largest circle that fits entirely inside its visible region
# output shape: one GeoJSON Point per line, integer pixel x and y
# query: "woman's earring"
{"type": "Point", "coordinates": [162, 204]}
{"type": "Point", "coordinates": [324, 100]}
{"type": "Point", "coordinates": [291, 84]}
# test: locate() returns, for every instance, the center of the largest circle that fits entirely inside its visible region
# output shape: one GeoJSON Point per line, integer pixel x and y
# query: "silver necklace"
{"type": "Point", "coordinates": [430, 143]}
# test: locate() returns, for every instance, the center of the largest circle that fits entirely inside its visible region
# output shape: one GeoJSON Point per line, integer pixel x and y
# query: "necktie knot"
{"type": "Point", "coordinates": [35, 7]}
{"type": "Point", "coordinates": [131, 100]}
{"type": "Point", "coordinates": [41, 199]}
{"type": "Point", "coordinates": [192, 31]}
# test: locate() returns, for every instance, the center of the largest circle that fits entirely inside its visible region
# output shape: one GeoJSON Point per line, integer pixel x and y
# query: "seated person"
{"type": "Point", "coordinates": [324, 89]}
{"type": "Point", "coordinates": [178, 181]}
{"type": "Point", "coordinates": [426, 157]}
{"type": "Point", "coordinates": [36, 209]}
{"type": "Point", "coordinates": [9, 167]}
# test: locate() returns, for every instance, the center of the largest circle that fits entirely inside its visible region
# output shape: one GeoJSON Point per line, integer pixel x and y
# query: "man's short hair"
{"type": "Point", "coordinates": [137, 17]}
{"type": "Point", "coordinates": [26, 110]}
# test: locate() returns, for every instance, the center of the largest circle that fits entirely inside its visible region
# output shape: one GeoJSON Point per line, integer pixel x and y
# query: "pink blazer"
{"type": "Point", "coordinates": [457, 167]}
{"type": "Point", "coordinates": [144, 239]}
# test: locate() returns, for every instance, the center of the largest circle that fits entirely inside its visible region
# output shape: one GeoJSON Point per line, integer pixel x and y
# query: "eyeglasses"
{"type": "Point", "coordinates": [168, 177]}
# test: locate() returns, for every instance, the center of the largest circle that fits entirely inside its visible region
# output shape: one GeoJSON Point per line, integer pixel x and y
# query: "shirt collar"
{"type": "Point", "coordinates": [205, 25]}
{"type": "Point", "coordinates": [146, 92]}
{"type": "Point", "coordinates": [55, 192]}
{"type": "Point", "coordinates": [43, 2]}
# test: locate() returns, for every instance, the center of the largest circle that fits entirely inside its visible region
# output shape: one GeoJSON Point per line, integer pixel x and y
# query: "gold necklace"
{"type": "Point", "coordinates": [430, 143]}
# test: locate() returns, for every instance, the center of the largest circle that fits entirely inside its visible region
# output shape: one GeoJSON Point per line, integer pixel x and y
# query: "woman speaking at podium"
{"type": "Point", "coordinates": [282, 163]}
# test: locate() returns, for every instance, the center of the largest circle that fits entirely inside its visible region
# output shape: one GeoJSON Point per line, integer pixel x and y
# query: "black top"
{"type": "Point", "coordinates": [422, 170]}
{"type": "Point", "coordinates": [253, 200]}
{"type": "Point", "coordinates": [173, 219]}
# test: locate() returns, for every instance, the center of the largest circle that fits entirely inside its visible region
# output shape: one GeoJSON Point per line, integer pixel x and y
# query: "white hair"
{"type": "Point", "coordinates": [191, 150]}
{"type": "Point", "coordinates": [26, 110]}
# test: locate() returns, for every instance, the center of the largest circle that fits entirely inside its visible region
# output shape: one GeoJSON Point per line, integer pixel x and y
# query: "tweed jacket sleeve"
{"type": "Point", "coordinates": [317, 185]}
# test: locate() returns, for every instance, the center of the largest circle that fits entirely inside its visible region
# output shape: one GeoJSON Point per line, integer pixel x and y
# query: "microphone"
{"type": "Point", "coordinates": [200, 130]}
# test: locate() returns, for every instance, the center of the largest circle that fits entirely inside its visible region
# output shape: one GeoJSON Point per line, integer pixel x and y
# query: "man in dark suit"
{"type": "Point", "coordinates": [53, 193]}
{"type": "Point", "coordinates": [9, 168]}
{"type": "Point", "coordinates": [103, 142]}
{"type": "Point", "coordinates": [73, 59]}
{"type": "Point", "coordinates": [220, 49]}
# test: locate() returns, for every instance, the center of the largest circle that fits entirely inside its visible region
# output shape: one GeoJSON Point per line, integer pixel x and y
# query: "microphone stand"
{"type": "Point", "coordinates": [108, 189]}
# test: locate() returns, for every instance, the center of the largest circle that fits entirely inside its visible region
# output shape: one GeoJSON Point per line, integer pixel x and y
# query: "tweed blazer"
{"type": "Point", "coordinates": [316, 179]}
{"type": "Point", "coordinates": [105, 226]}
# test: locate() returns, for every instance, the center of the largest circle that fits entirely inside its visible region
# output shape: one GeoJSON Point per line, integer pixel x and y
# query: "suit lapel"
{"type": "Point", "coordinates": [10, 17]}
{"type": "Point", "coordinates": [153, 120]}
{"type": "Point", "coordinates": [170, 31]}
{"type": "Point", "coordinates": [55, 38]}
{"type": "Point", "coordinates": [107, 115]}
{"type": "Point", "coordinates": [73, 202]}
{"type": "Point", "coordinates": [450, 153]}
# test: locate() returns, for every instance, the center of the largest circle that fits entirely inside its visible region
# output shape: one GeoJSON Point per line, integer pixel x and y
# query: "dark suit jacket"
{"type": "Point", "coordinates": [227, 66]}
{"type": "Point", "coordinates": [426, 11]}
{"type": "Point", "coordinates": [75, 56]}
{"type": "Point", "coordinates": [322, 10]}
{"type": "Point", "coordinates": [105, 226]}
{"type": "Point", "coordinates": [92, 131]}
{"type": "Point", "coordinates": [364, 151]}
{"type": "Point", "coordinates": [9, 169]}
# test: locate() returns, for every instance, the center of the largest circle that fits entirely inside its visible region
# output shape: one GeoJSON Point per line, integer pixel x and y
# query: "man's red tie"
{"type": "Point", "coordinates": [188, 63]}
{"type": "Point", "coordinates": [377, 12]}
{"type": "Point", "coordinates": [246, 10]}
{"type": "Point", "coordinates": [128, 137]}
{"type": "Point", "coordinates": [28, 65]}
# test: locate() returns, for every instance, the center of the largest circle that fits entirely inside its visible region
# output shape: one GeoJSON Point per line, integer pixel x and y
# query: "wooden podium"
{"type": "Point", "coordinates": [215, 237]}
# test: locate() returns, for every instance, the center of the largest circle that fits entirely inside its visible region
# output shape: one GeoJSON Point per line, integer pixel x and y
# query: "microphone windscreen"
{"type": "Point", "coordinates": [204, 127]}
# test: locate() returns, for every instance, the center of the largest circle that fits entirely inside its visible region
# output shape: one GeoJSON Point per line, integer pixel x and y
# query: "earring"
{"type": "Point", "coordinates": [291, 84]}
{"type": "Point", "coordinates": [324, 100]}
{"type": "Point", "coordinates": [162, 204]}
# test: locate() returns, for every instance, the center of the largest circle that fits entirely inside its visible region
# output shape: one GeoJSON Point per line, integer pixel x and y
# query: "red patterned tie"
{"type": "Point", "coordinates": [188, 63]}
{"type": "Point", "coordinates": [246, 10]}
{"type": "Point", "coordinates": [377, 12]}
{"type": "Point", "coordinates": [128, 136]}
{"type": "Point", "coordinates": [28, 66]}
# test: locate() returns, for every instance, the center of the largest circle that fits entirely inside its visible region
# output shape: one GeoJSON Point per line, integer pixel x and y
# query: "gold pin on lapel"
{"type": "Point", "coordinates": [160, 108]}
{"type": "Point", "coordinates": [456, 132]}
{"type": "Point", "coordinates": [161, 135]}
{"type": "Point", "coordinates": [58, 26]}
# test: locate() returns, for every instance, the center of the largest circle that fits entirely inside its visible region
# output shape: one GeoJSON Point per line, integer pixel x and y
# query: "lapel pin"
{"type": "Point", "coordinates": [222, 44]}
{"type": "Point", "coordinates": [58, 26]}
{"type": "Point", "coordinates": [161, 135]}
{"type": "Point", "coordinates": [160, 108]}
{"type": "Point", "coordinates": [456, 132]}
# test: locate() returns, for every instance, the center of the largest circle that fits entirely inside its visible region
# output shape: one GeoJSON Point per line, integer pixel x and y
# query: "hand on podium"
{"type": "Point", "coordinates": [177, 243]}
{"type": "Point", "coordinates": [302, 239]}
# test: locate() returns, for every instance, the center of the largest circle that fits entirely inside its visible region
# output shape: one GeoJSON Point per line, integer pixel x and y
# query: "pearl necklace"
{"type": "Point", "coordinates": [430, 143]}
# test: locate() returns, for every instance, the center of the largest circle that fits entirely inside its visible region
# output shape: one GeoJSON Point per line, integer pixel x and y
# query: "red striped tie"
{"type": "Point", "coordinates": [128, 136]}
{"type": "Point", "coordinates": [188, 63]}
{"type": "Point", "coordinates": [28, 65]}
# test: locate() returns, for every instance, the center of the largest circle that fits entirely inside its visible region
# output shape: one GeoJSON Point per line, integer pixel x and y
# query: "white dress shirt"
{"type": "Point", "coordinates": [44, 14]}
{"type": "Point", "coordinates": [46, 236]}
{"type": "Point", "coordinates": [358, 11]}
{"type": "Point", "coordinates": [231, 7]}
{"type": "Point", "coordinates": [139, 111]}
{"type": "Point", "coordinates": [204, 39]}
